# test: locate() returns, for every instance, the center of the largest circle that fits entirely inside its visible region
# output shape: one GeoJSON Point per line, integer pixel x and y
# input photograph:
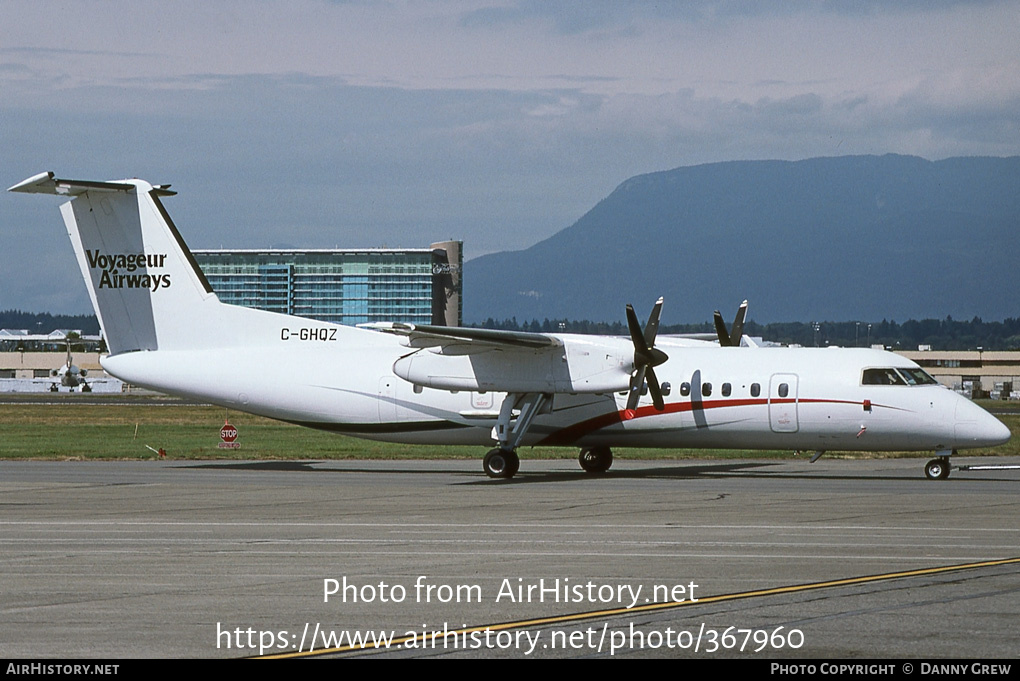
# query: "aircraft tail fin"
{"type": "Point", "coordinates": [145, 285]}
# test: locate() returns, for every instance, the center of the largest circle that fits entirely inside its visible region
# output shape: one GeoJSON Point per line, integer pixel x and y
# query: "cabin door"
{"type": "Point", "coordinates": [783, 403]}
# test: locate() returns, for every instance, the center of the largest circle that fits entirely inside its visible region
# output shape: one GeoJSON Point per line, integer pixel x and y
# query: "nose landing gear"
{"type": "Point", "coordinates": [937, 469]}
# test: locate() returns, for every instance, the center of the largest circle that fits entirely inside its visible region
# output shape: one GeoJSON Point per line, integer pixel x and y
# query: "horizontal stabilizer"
{"type": "Point", "coordinates": [46, 183]}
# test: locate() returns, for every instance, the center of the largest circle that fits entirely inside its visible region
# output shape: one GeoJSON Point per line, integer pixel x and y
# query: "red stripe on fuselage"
{"type": "Point", "coordinates": [572, 433]}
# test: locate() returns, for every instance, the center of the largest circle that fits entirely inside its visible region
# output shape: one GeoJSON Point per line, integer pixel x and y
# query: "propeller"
{"type": "Point", "coordinates": [726, 338]}
{"type": "Point", "coordinates": [646, 357]}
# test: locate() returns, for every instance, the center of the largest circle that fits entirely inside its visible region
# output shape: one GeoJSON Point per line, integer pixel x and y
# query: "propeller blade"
{"type": "Point", "coordinates": [636, 335]}
{"type": "Point", "coordinates": [655, 389]}
{"type": "Point", "coordinates": [652, 327]}
{"type": "Point", "coordinates": [730, 338]}
{"type": "Point", "coordinates": [636, 382]}
{"type": "Point", "coordinates": [738, 324]}
{"type": "Point", "coordinates": [720, 330]}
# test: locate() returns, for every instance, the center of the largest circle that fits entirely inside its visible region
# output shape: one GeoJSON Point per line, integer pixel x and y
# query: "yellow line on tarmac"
{"type": "Point", "coordinates": [650, 607]}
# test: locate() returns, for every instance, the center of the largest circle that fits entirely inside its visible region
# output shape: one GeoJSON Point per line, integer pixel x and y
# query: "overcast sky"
{"type": "Point", "coordinates": [311, 123]}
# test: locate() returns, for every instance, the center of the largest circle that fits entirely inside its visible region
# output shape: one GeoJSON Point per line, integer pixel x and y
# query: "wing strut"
{"type": "Point", "coordinates": [529, 405]}
{"type": "Point", "coordinates": [503, 462]}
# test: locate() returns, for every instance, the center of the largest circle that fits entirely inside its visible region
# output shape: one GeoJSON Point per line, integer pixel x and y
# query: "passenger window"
{"type": "Point", "coordinates": [665, 388]}
{"type": "Point", "coordinates": [685, 389]}
{"type": "Point", "coordinates": [726, 389]}
{"type": "Point", "coordinates": [755, 390]}
{"type": "Point", "coordinates": [706, 389]}
{"type": "Point", "coordinates": [784, 389]}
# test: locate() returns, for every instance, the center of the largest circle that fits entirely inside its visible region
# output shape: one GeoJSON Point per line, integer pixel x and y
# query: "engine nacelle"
{"type": "Point", "coordinates": [578, 366]}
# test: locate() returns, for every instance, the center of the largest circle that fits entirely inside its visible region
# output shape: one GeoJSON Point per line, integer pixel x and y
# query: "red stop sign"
{"type": "Point", "coordinates": [228, 433]}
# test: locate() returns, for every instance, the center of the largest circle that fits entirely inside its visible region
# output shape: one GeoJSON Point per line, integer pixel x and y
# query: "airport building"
{"type": "Point", "coordinates": [975, 373]}
{"type": "Point", "coordinates": [414, 286]}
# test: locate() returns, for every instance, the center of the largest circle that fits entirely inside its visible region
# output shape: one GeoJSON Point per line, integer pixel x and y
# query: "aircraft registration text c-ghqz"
{"type": "Point", "coordinates": [308, 334]}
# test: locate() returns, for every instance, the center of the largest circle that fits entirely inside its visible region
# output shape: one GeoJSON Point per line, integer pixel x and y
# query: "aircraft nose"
{"type": "Point", "coordinates": [998, 432]}
{"type": "Point", "coordinates": [975, 427]}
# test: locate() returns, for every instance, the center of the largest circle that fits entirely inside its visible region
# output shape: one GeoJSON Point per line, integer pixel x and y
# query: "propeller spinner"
{"type": "Point", "coordinates": [646, 357]}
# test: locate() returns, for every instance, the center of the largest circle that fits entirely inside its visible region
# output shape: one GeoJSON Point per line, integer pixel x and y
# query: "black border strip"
{"type": "Point", "coordinates": [92, 184]}
{"type": "Point", "coordinates": [372, 428]}
{"type": "Point", "coordinates": [154, 195]}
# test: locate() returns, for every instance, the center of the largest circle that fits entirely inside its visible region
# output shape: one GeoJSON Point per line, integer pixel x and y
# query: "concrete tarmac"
{"type": "Point", "coordinates": [234, 559]}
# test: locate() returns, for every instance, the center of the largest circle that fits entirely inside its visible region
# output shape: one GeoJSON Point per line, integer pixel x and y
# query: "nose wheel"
{"type": "Point", "coordinates": [937, 469]}
{"type": "Point", "coordinates": [501, 463]}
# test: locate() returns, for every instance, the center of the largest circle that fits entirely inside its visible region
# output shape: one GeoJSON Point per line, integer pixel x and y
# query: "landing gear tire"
{"type": "Point", "coordinates": [515, 464]}
{"type": "Point", "coordinates": [596, 459]}
{"type": "Point", "coordinates": [937, 469]}
{"type": "Point", "coordinates": [501, 463]}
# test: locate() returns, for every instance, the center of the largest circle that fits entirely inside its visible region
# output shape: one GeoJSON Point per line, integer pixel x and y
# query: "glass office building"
{"type": "Point", "coordinates": [415, 286]}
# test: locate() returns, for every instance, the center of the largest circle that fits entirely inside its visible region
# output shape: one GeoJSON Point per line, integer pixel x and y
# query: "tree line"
{"type": "Point", "coordinates": [44, 322]}
{"type": "Point", "coordinates": [940, 334]}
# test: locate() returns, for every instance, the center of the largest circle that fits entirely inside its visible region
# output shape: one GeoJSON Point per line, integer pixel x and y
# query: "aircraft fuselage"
{"type": "Point", "coordinates": [719, 397]}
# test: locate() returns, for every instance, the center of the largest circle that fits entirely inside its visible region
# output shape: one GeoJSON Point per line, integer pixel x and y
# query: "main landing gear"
{"type": "Point", "coordinates": [596, 459]}
{"type": "Point", "coordinates": [515, 417]}
{"type": "Point", "coordinates": [503, 462]}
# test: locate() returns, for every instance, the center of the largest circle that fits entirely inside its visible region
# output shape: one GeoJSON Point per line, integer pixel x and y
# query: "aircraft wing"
{"type": "Point", "coordinates": [429, 336]}
{"type": "Point", "coordinates": [457, 358]}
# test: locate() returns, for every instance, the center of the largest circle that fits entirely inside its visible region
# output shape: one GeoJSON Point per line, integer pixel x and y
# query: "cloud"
{"type": "Point", "coordinates": [362, 124]}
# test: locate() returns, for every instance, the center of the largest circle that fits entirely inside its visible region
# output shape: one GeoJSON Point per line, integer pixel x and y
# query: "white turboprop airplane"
{"type": "Point", "coordinates": [167, 330]}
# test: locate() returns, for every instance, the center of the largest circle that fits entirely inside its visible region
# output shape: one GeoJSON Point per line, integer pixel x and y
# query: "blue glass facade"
{"type": "Point", "coordinates": [414, 286]}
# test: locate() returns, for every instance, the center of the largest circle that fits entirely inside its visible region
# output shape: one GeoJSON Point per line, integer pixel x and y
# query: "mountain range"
{"type": "Point", "coordinates": [854, 237]}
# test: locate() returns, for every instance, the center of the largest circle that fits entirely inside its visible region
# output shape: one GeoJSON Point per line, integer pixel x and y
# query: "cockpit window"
{"type": "Point", "coordinates": [917, 377]}
{"type": "Point", "coordinates": [881, 377]}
